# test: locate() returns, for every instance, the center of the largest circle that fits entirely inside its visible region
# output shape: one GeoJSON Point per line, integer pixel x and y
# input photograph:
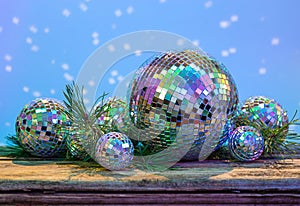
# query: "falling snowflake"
{"type": "Point", "coordinates": [33, 29]}
{"type": "Point", "coordinates": [7, 124]}
{"type": "Point", "coordinates": [208, 4]}
{"type": "Point", "coordinates": [195, 43]}
{"type": "Point", "coordinates": [96, 41]}
{"type": "Point", "coordinates": [15, 20]}
{"type": "Point", "coordinates": [26, 89]}
{"type": "Point", "coordinates": [66, 12]}
{"type": "Point", "coordinates": [91, 83]}
{"type": "Point", "coordinates": [1, 29]}
{"type": "Point", "coordinates": [65, 66]}
{"type": "Point", "coordinates": [224, 24]}
{"type": "Point", "coordinates": [8, 68]}
{"type": "Point", "coordinates": [275, 41]}
{"type": "Point", "coordinates": [232, 50]}
{"type": "Point", "coordinates": [162, 1]}
{"type": "Point", "coordinates": [52, 91]}
{"type": "Point", "coordinates": [126, 46]}
{"type": "Point", "coordinates": [8, 57]}
{"type": "Point", "coordinates": [234, 18]}
{"type": "Point", "coordinates": [137, 52]}
{"type": "Point", "coordinates": [111, 81]}
{"type": "Point", "coordinates": [120, 78]}
{"type": "Point", "coordinates": [129, 10]}
{"type": "Point", "coordinates": [28, 40]}
{"type": "Point", "coordinates": [118, 13]}
{"type": "Point", "coordinates": [46, 30]}
{"type": "Point", "coordinates": [114, 73]}
{"type": "Point", "coordinates": [224, 53]}
{"type": "Point", "coordinates": [83, 7]}
{"type": "Point", "coordinates": [68, 77]}
{"type": "Point", "coordinates": [95, 34]}
{"type": "Point", "coordinates": [262, 71]}
{"type": "Point", "coordinates": [113, 26]}
{"type": "Point", "coordinates": [111, 48]}
{"type": "Point", "coordinates": [36, 94]}
{"type": "Point", "coordinates": [35, 48]}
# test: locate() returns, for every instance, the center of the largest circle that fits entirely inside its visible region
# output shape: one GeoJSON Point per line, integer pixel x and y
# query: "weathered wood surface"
{"type": "Point", "coordinates": [213, 181]}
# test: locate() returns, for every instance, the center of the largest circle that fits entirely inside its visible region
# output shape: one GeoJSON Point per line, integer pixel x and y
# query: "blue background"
{"type": "Point", "coordinates": [43, 44]}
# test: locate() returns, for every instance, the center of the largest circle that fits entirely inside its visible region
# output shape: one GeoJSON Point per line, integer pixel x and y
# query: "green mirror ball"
{"type": "Point", "coordinates": [42, 127]}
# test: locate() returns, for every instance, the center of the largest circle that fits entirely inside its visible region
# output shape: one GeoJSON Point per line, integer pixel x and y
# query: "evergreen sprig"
{"type": "Point", "coordinates": [84, 119]}
{"type": "Point", "coordinates": [13, 148]}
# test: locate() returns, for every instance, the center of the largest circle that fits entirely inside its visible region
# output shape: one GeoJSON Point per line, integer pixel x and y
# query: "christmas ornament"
{"type": "Point", "coordinates": [76, 144]}
{"type": "Point", "coordinates": [42, 127]}
{"type": "Point", "coordinates": [114, 151]}
{"type": "Point", "coordinates": [246, 143]}
{"type": "Point", "coordinates": [182, 88]}
{"type": "Point", "coordinates": [116, 115]}
{"type": "Point", "coordinates": [268, 111]}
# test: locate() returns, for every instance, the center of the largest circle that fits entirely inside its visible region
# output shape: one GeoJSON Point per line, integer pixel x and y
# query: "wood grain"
{"type": "Point", "coordinates": [38, 182]}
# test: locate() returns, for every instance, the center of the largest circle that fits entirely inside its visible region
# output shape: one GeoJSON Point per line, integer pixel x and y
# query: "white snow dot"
{"type": "Point", "coordinates": [111, 81]}
{"type": "Point", "coordinates": [180, 42]}
{"type": "Point", "coordinates": [53, 61]}
{"type": "Point", "coordinates": [275, 41]}
{"type": "Point", "coordinates": [162, 1]}
{"type": "Point", "coordinates": [232, 50]}
{"type": "Point", "coordinates": [52, 91]}
{"type": "Point", "coordinates": [224, 53]}
{"type": "Point", "coordinates": [95, 34]}
{"type": "Point", "coordinates": [35, 48]}
{"type": "Point", "coordinates": [113, 26]}
{"type": "Point", "coordinates": [68, 77]}
{"type": "Point", "coordinates": [95, 41]}
{"type": "Point", "coordinates": [28, 40]}
{"type": "Point", "coordinates": [8, 68]}
{"type": "Point", "coordinates": [262, 71]}
{"type": "Point", "coordinates": [65, 66]}
{"type": "Point", "coordinates": [224, 24]}
{"type": "Point", "coordinates": [8, 57]}
{"type": "Point", "coordinates": [7, 124]}
{"type": "Point", "coordinates": [118, 13]}
{"type": "Point", "coordinates": [66, 12]}
{"type": "Point", "coordinates": [26, 89]}
{"type": "Point", "coordinates": [15, 20]}
{"type": "Point", "coordinates": [262, 18]}
{"type": "Point", "coordinates": [208, 4]}
{"type": "Point", "coordinates": [1, 29]}
{"type": "Point", "coordinates": [196, 43]}
{"type": "Point", "coordinates": [84, 91]}
{"type": "Point", "coordinates": [92, 83]}
{"type": "Point", "coordinates": [114, 73]}
{"type": "Point", "coordinates": [36, 94]}
{"type": "Point", "coordinates": [126, 46]}
{"type": "Point", "coordinates": [33, 29]}
{"type": "Point", "coordinates": [234, 18]}
{"type": "Point", "coordinates": [86, 101]}
{"type": "Point", "coordinates": [120, 78]}
{"type": "Point", "coordinates": [111, 48]}
{"type": "Point", "coordinates": [137, 52]}
{"type": "Point", "coordinates": [46, 30]}
{"type": "Point", "coordinates": [129, 10]}
{"type": "Point", "coordinates": [83, 7]}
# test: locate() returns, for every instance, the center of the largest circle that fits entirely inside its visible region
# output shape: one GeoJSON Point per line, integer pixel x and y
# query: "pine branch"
{"type": "Point", "coordinates": [13, 149]}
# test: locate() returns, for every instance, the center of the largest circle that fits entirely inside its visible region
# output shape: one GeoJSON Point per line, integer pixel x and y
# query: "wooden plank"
{"type": "Point", "coordinates": [212, 181]}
